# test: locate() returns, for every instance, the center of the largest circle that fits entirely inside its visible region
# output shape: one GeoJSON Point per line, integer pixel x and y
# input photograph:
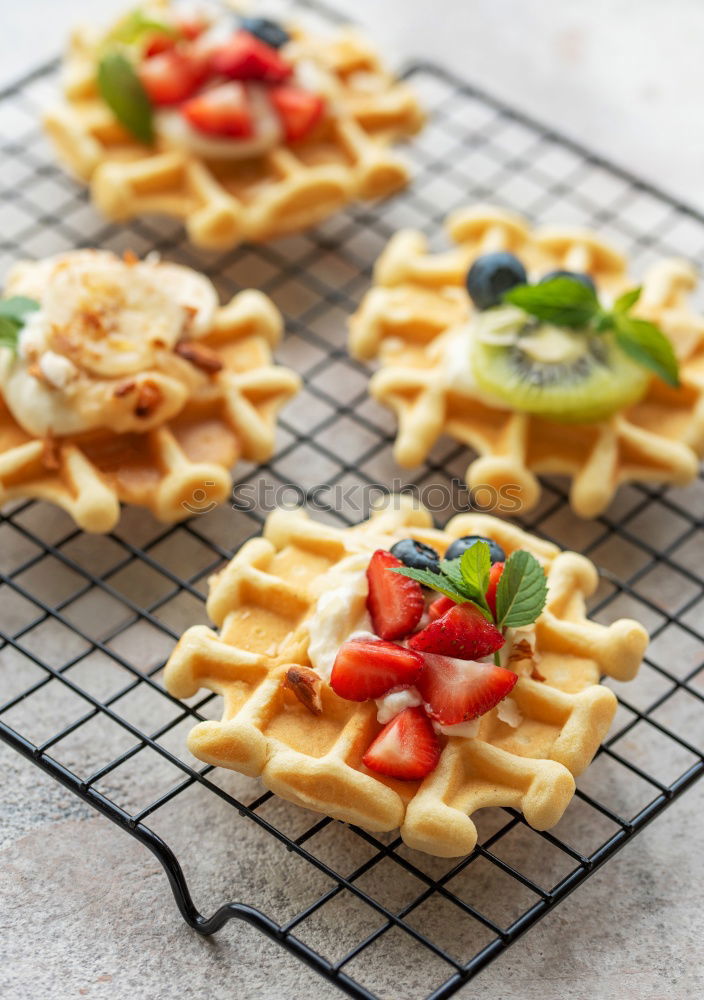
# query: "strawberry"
{"type": "Point", "coordinates": [172, 76]}
{"type": "Point", "coordinates": [221, 111]}
{"type": "Point", "coordinates": [394, 602]}
{"type": "Point", "coordinates": [245, 57]}
{"type": "Point", "coordinates": [407, 747]}
{"type": "Point", "coordinates": [460, 690]}
{"type": "Point", "coordinates": [369, 668]}
{"type": "Point", "coordinates": [439, 606]}
{"type": "Point", "coordinates": [494, 577]}
{"type": "Point", "coordinates": [299, 110]}
{"type": "Point", "coordinates": [156, 42]}
{"type": "Point", "coordinates": [462, 631]}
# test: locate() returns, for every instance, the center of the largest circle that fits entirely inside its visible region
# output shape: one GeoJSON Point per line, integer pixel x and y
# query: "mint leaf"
{"type": "Point", "coordinates": [9, 332]}
{"type": "Point", "coordinates": [626, 301]}
{"type": "Point", "coordinates": [122, 91]}
{"type": "Point", "coordinates": [450, 568]}
{"type": "Point", "coordinates": [136, 24]}
{"type": "Point", "coordinates": [436, 581]}
{"type": "Point", "coordinates": [647, 345]}
{"type": "Point", "coordinates": [562, 301]}
{"type": "Point", "coordinates": [521, 591]}
{"type": "Point", "coordinates": [17, 308]}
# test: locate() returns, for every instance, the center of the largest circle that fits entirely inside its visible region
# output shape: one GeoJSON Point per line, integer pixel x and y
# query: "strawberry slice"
{"type": "Point", "coordinates": [406, 747]}
{"type": "Point", "coordinates": [460, 690]}
{"type": "Point", "coordinates": [439, 606]}
{"type": "Point", "coordinates": [369, 668]}
{"type": "Point", "coordinates": [299, 110]}
{"type": "Point", "coordinates": [394, 602]}
{"type": "Point", "coordinates": [172, 76]}
{"type": "Point", "coordinates": [224, 111]}
{"type": "Point", "coordinates": [245, 57]}
{"type": "Point", "coordinates": [462, 631]}
{"type": "Point", "coordinates": [494, 577]}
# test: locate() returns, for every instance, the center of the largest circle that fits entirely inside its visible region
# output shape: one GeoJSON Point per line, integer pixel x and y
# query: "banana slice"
{"type": "Point", "coordinates": [192, 291]}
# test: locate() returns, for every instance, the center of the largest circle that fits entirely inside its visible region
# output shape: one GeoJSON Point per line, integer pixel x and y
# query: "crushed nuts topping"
{"type": "Point", "coordinates": [199, 356]}
{"type": "Point", "coordinates": [149, 397]}
{"type": "Point", "coordinates": [306, 685]}
{"type": "Point", "coordinates": [50, 453]}
{"type": "Point", "coordinates": [124, 389]}
{"type": "Point", "coordinates": [522, 656]}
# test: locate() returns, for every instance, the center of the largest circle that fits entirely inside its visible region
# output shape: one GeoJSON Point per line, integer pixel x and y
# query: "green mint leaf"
{"type": "Point", "coordinates": [626, 301]}
{"type": "Point", "coordinates": [450, 568]}
{"type": "Point", "coordinates": [436, 581]}
{"type": "Point", "coordinates": [562, 301]}
{"type": "Point", "coordinates": [649, 346]}
{"type": "Point", "coordinates": [17, 308]}
{"type": "Point", "coordinates": [9, 332]}
{"type": "Point", "coordinates": [521, 591]}
{"type": "Point", "coordinates": [122, 91]}
{"type": "Point", "coordinates": [136, 25]}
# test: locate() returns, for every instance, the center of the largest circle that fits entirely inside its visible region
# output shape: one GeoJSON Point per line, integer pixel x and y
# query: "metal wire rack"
{"type": "Point", "coordinates": [88, 622]}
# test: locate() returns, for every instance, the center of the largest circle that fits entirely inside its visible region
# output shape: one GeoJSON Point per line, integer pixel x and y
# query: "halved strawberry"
{"type": "Point", "coordinates": [462, 631]}
{"type": "Point", "coordinates": [224, 111]}
{"type": "Point", "coordinates": [439, 606]}
{"type": "Point", "coordinates": [460, 690]}
{"type": "Point", "coordinates": [494, 577]}
{"type": "Point", "coordinates": [368, 668]}
{"type": "Point", "coordinates": [394, 602]}
{"type": "Point", "coordinates": [172, 76]}
{"type": "Point", "coordinates": [158, 41]}
{"type": "Point", "coordinates": [245, 57]}
{"type": "Point", "coordinates": [299, 110]}
{"type": "Point", "coordinates": [407, 747]}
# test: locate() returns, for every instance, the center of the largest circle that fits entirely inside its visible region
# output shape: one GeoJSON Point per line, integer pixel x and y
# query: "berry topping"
{"type": "Point", "coordinates": [269, 32]}
{"type": "Point", "coordinates": [460, 690]}
{"type": "Point", "coordinates": [406, 747]}
{"type": "Point", "coordinates": [494, 577]}
{"type": "Point", "coordinates": [460, 545]}
{"type": "Point", "coordinates": [415, 554]}
{"type": "Point", "coordinates": [394, 602]}
{"type": "Point", "coordinates": [367, 668]}
{"type": "Point", "coordinates": [439, 606]}
{"type": "Point", "coordinates": [245, 57]}
{"type": "Point", "coordinates": [172, 76]}
{"type": "Point", "coordinates": [221, 111]}
{"type": "Point", "coordinates": [493, 274]}
{"type": "Point", "coordinates": [462, 631]}
{"type": "Point", "coordinates": [586, 279]}
{"type": "Point", "coordinates": [299, 110]}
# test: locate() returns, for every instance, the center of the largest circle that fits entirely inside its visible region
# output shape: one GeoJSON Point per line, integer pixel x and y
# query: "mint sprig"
{"type": "Point", "coordinates": [565, 301]}
{"type": "Point", "coordinates": [123, 92]}
{"type": "Point", "coordinates": [522, 588]}
{"type": "Point", "coordinates": [13, 316]}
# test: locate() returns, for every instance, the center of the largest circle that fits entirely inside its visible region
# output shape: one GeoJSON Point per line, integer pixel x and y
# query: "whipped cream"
{"type": "Point", "coordinates": [340, 612]}
{"type": "Point", "coordinates": [395, 701]}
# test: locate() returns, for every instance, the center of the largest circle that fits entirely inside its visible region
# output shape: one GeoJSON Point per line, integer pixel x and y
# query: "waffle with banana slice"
{"type": "Point", "coordinates": [241, 139]}
{"type": "Point", "coordinates": [527, 405]}
{"type": "Point", "coordinates": [285, 603]}
{"type": "Point", "coordinates": [125, 380]}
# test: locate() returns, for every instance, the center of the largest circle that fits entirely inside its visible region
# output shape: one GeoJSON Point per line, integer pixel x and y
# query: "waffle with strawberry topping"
{"type": "Point", "coordinates": [125, 380]}
{"type": "Point", "coordinates": [353, 690]}
{"type": "Point", "coordinates": [244, 128]}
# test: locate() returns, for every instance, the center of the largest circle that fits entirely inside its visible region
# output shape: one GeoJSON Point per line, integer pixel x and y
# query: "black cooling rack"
{"type": "Point", "coordinates": [88, 623]}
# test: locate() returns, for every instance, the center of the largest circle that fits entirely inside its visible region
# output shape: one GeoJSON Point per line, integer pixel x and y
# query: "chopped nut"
{"type": "Point", "coordinates": [535, 673]}
{"type": "Point", "coordinates": [521, 655]}
{"type": "Point", "coordinates": [50, 453]}
{"type": "Point", "coordinates": [306, 685]}
{"type": "Point", "coordinates": [149, 396]}
{"type": "Point", "coordinates": [200, 356]}
{"type": "Point", "coordinates": [124, 389]}
{"type": "Point", "coordinates": [130, 258]}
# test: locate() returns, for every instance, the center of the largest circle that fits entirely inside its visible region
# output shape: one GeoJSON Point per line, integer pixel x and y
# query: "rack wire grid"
{"type": "Point", "coordinates": [88, 622]}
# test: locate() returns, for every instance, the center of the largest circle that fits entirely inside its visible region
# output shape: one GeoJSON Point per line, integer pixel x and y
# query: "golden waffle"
{"type": "Point", "coordinates": [180, 467]}
{"type": "Point", "coordinates": [261, 602]}
{"type": "Point", "coordinates": [289, 189]}
{"type": "Point", "coordinates": [419, 304]}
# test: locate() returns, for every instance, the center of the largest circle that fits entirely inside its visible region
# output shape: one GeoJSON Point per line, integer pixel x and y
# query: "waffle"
{"type": "Point", "coordinates": [177, 468]}
{"type": "Point", "coordinates": [288, 189]}
{"type": "Point", "coordinates": [261, 602]}
{"type": "Point", "coordinates": [416, 311]}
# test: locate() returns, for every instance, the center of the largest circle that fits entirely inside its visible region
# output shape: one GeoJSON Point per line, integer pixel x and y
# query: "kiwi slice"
{"type": "Point", "coordinates": [567, 375]}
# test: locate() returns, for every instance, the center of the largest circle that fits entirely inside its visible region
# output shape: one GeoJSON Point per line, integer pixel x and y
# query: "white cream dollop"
{"type": "Point", "coordinates": [395, 701]}
{"type": "Point", "coordinates": [340, 612]}
{"type": "Point", "coordinates": [468, 730]}
{"type": "Point", "coordinates": [508, 711]}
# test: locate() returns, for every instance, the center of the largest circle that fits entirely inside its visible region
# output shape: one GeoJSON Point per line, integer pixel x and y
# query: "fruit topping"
{"type": "Point", "coordinates": [394, 602]}
{"type": "Point", "coordinates": [460, 545]}
{"type": "Point", "coordinates": [222, 111]}
{"type": "Point", "coordinates": [456, 690]}
{"type": "Point", "coordinates": [406, 747]}
{"type": "Point", "coordinates": [172, 76]}
{"type": "Point", "coordinates": [491, 276]}
{"type": "Point", "coordinates": [462, 631]}
{"type": "Point", "coordinates": [367, 668]}
{"type": "Point", "coordinates": [299, 110]}
{"type": "Point", "coordinates": [415, 554]}
{"type": "Point", "coordinates": [267, 31]}
{"type": "Point", "coordinates": [586, 279]}
{"type": "Point", "coordinates": [246, 57]}
{"type": "Point", "coordinates": [439, 607]}
{"type": "Point", "coordinates": [494, 577]}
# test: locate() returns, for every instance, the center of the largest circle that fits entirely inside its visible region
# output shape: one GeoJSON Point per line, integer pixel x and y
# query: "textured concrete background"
{"type": "Point", "coordinates": [85, 911]}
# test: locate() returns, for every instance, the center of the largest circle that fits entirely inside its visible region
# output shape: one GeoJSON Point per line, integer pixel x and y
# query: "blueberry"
{"type": "Point", "coordinates": [266, 31]}
{"type": "Point", "coordinates": [492, 275]}
{"type": "Point", "coordinates": [461, 545]}
{"type": "Point", "coordinates": [586, 279]}
{"type": "Point", "coordinates": [416, 555]}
